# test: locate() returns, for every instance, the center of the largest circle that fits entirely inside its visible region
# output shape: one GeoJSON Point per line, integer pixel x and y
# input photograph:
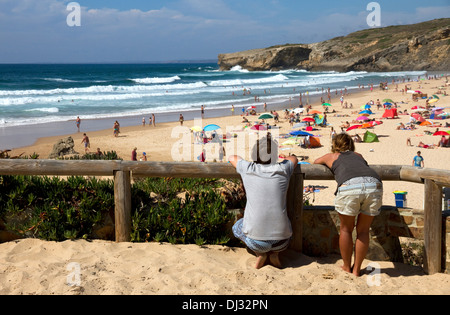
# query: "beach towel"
{"type": "Point", "coordinates": [319, 119]}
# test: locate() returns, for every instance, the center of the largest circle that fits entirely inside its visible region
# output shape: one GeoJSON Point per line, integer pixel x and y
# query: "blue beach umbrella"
{"type": "Point", "coordinates": [387, 104]}
{"type": "Point", "coordinates": [366, 112]}
{"type": "Point", "coordinates": [211, 127]}
{"type": "Point", "coordinates": [300, 133]}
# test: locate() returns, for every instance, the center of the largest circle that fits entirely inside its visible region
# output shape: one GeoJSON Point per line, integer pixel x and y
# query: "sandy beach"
{"type": "Point", "coordinates": [39, 267]}
{"type": "Point", "coordinates": [160, 141]}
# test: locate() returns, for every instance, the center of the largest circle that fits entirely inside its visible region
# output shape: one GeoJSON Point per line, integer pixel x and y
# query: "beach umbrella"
{"type": "Point", "coordinates": [367, 106]}
{"type": "Point", "coordinates": [366, 112]}
{"type": "Point", "coordinates": [437, 108]}
{"type": "Point", "coordinates": [425, 123]}
{"type": "Point", "coordinates": [326, 104]}
{"type": "Point", "coordinates": [387, 104]}
{"type": "Point", "coordinates": [315, 112]}
{"type": "Point", "coordinates": [435, 96]}
{"type": "Point", "coordinates": [362, 118]}
{"type": "Point", "coordinates": [211, 127]}
{"type": "Point", "coordinates": [298, 110]}
{"type": "Point", "coordinates": [266, 116]}
{"type": "Point", "coordinates": [309, 128]}
{"type": "Point", "coordinates": [418, 92]}
{"type": "Point", "coordinates": [440, 133]}
{"type": "Point", "coordinates": [251, 107]}
{"type": "Point", "coordinates": [196, 128]}
{"type": "Point", "coordinates": [258, 127]}
{"type": "Point", "coordinates": [434, 100]}
{"type": "Point", "coordinates": [300, 133]}
{"type": "Point", "coordinates": [308, 119]}
{"type": "Point", "coordinates": [388, 100]}
{"type": "Point", "coordinates": [354, 127]}
{"type": "Point", "coordinates": [418, 117]}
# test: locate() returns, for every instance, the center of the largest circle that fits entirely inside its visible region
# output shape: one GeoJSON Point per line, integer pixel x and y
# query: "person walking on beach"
{"type": "Point", "coordinates": [181, 120]}
{"type": "Point", "coordinates": [359, 195]}
{"type": "Point", "coordinates": [134, 154]}
{"type": "Point", "coordinates": [78, 121]}
{"type": "Point", "coordinates": [116, 129]}
{"type": "Point", "coordinates": [86, 142]}
{"type": "Point", "coordinates": [418, 160]}
{"type": "Point", "coordinates": [153, 120]}
{"type": "Point", "coordinates": [203, 111]}
{"type": "Point", "coordinates": [265, 227]}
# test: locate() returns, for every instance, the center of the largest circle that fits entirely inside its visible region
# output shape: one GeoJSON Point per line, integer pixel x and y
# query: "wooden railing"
{"type": "Point", "coordinates": [123, 171]}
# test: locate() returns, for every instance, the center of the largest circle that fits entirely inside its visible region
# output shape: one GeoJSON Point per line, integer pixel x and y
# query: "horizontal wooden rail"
{"type": "Point", "coordinates": [123, 171]}
{"type": "Point", "coordinates": [202, 170]}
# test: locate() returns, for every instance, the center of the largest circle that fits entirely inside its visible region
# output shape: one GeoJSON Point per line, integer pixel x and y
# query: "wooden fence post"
{"type": "Point", "coordinates": [432, 227]}
{"type": "Point", "coordinates": [295, 209]}
{"type": "Point", "coordinates": [122, 199]}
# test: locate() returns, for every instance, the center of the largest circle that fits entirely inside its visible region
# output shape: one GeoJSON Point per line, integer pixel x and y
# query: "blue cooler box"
{"type": "Point", "coordinates": [400, 199]}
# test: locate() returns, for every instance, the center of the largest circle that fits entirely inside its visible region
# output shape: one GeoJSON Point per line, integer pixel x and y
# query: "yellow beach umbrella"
{"type": "Point", "coordinates": [434, 100]}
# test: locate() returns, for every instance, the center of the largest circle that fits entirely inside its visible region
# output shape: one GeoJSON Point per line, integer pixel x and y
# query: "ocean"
{"type": "Point", "coordinates": [41, 100]}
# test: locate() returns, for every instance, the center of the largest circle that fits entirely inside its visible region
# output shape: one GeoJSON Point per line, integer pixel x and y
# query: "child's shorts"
{"type": "Point", "coordinates": [259, 247]}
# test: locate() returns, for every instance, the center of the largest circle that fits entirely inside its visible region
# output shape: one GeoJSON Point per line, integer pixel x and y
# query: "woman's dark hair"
{"type": "Point", "coordinates": [265, 151]}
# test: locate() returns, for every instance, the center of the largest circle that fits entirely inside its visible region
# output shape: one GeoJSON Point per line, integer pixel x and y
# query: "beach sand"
{"type": "Point", "coordinates": [38, 267]}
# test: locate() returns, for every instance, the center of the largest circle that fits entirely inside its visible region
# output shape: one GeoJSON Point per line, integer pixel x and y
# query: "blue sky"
{"type": "Point", "coordinates": [157, 30]}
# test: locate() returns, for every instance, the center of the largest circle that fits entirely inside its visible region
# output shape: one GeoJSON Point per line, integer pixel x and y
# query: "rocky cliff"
{"type": "Point", "coordinates": [423, 46]}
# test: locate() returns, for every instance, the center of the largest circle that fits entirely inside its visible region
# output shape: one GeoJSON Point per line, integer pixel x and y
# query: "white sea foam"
{"type": "Point", "coordinates": [105, 89]}
{"type": "Point", "coordinates": [241, 82]}
{"type": "Point", "coordinates": [46, 110]}
{"type": "Point", "coordinates": [239, 69]}
{"type": "Point", "coordinates": [59, 80]}
{"type": "Point", "coordinates": [156, 80]}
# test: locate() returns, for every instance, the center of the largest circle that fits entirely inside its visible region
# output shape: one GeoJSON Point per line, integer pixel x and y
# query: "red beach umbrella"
{"type": "Point", "coordinates": [440, 133]}
{"type": "Point", "coordinates": [259, 127]}
{"type": "Point", "coordinates": [308, 119]}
